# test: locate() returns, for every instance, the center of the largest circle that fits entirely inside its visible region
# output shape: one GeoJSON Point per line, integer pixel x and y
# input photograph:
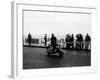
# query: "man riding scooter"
{"type": "Point", "coordinates": [53, 42]}
{"type": "Point", "coordinates": [54, 48]}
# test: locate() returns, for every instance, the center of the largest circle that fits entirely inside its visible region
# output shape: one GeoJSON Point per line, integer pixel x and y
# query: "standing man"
{"type": "Point", "coordinates": [45, 39]}
{"type": "Point", "coordinates": [72, 41]}
{"type": "Point", "coordinates": [87, 41]}
{"type": "Point", "coordinates": [29, 38]}
{"type": "Point", "coordinates": [81, 42]}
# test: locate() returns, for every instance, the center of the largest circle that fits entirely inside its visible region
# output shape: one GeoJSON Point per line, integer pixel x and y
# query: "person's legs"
{"type": "Point", "coordinates": [45, 43]}
{"type": "Point", "coordinates": [66, 45]}
{"type": "Point", "coordinates": [72, 45]}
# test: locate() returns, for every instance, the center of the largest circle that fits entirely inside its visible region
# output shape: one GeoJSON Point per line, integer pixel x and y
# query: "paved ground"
{"type": "Point", "coordinates": [37, 58]}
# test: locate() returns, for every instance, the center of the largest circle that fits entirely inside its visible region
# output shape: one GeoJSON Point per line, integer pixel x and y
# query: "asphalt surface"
{"type": "Point", "coordinates": [37, 58]}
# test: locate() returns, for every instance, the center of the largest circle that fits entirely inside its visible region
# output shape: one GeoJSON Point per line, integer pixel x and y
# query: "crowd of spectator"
{"type": "Point", "coordinates": [79, 43]}
{"type": "Point", "coordinates": [71, 41]}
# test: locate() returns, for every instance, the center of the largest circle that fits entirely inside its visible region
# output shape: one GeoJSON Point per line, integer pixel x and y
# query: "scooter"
{"type": "Point", "coordinates": [57, 50]}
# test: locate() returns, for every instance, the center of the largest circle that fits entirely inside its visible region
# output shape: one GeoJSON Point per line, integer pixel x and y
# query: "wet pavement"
{"type": "Point", "coordinates": [37, 58]}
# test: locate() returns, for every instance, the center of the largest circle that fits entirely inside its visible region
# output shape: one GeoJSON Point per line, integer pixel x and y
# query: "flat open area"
{"type": "Point", "coordinates": [37, 58]}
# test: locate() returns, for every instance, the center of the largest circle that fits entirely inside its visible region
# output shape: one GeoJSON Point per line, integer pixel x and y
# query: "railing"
{"type": "Point", "coordinates": [80, 45]}
{"type": "Point", "coordinates": [63, 44]}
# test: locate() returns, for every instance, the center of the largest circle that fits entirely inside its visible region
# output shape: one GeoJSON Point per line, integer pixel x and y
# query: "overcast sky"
{"type": "Point", "coordinates": [40, 23]}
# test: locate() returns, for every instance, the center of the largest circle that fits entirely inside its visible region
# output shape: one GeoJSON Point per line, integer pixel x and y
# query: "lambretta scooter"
{"type": "Point", "coordinates": [57, 51]}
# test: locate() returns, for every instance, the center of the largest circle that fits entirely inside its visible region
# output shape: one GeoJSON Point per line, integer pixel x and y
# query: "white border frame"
{"type": "Point", "coordinates": [17, 51]}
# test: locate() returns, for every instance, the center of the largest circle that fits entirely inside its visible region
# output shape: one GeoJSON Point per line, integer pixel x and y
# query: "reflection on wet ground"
{"type": "Point", "coordinates": [37, 58]}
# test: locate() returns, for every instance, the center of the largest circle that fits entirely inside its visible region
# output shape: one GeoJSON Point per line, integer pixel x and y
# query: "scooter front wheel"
{"type": "Point", "coordinates": [60, 54]}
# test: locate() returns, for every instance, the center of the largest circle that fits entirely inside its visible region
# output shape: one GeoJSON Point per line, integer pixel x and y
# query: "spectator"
{"type": "Point", "coordinates": [45, 39]}
{"type": "Point", "coordinates": [87, 41]}
{"type": "Point", "coordinates": [72, 41]}
{"type": "Point", "coordinates": [79, 41]}
{"type": "Point", "coordinates": [68, 40]}
{"type": "Point", "coordinates": [29, 39]}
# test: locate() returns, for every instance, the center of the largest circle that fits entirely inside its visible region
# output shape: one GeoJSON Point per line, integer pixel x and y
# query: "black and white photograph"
{"type": "Point", "coordinates": [56, 39]}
